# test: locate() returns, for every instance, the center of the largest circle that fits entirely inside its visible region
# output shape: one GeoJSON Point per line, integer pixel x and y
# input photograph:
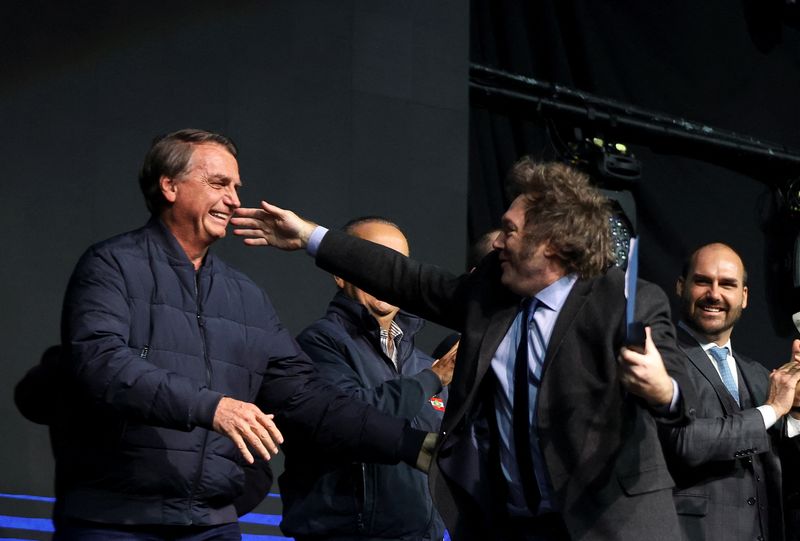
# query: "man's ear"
{"type": "Point", "coordinates": [679, 286]}
{"type": "Point", "coordinates": [169, 188]}
{"type": "Point", "coordinates": [339, 282]}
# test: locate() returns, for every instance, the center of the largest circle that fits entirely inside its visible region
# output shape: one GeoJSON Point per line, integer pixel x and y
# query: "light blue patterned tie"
{"type": "Point", "coordinates": [721, 356]}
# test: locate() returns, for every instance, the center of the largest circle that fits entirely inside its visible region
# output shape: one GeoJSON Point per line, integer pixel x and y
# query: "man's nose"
{"type": "Point", "coordinates": [713, 292]}
{"type": "Point", "coordinates": [232, 198]}
{"type": "Point", "coordinates": [499, 241]}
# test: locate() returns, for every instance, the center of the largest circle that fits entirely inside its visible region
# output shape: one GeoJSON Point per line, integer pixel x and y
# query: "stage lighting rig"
{"type": "Point", "coordinates": [613, 168]}
{"type": "Point", "coordinates": [791, 194]}
{"type": "Point", "coordinates": [610, 163]}
{"type": "Point", "coordinates": [622, 224]}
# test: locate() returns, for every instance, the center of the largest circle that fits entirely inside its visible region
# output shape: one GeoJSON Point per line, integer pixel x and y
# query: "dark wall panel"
{"type": "Point", "coordinates": [339, 108]}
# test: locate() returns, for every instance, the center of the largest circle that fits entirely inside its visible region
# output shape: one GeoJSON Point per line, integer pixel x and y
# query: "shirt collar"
{"type": "Point", "coordinates": [555, 295]}
{"type": "Point", "coordinates": [706, 345]}
{"type": "Point", "coordinates": [397, 332]}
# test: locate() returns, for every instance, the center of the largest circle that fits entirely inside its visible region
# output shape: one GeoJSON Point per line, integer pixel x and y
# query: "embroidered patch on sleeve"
{"type": "Point", "coordinates": [437, 403]}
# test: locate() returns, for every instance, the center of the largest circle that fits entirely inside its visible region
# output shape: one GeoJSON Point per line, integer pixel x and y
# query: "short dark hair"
{"type": "Point", "coordinates": [169, 156]}
{"type": "Point", "coordinates": [565, 210]}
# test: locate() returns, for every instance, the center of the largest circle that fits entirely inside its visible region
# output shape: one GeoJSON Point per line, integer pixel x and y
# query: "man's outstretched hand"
{"type": "Point", "coordinates": [272, 226]}
{"type": "Point", "coordinates": [248, 427]}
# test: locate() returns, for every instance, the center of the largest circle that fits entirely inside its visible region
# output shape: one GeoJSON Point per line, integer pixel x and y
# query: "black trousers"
{"type": "Point", "coordinates": [547, 527]}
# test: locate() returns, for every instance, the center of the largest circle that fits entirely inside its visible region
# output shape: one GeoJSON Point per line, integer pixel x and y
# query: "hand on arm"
{"type": "Point", "coordinates": [247, 425]}
{"type": "Point", "coordinates": [643, 373]}
{"type": "Point", "coordinates": [272, 226]}
{"type": "Point", "coordinates": [444, 366]}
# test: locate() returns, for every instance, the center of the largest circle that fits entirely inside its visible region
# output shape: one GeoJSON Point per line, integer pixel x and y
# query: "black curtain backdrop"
{"type": "Point", "coordinates": [726, 64]}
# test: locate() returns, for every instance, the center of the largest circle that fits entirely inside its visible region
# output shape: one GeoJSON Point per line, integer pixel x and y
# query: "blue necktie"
{"type": "Point", "coordinates": [520, 418]}
{"type": "Point", "coordinates": [721, 356]}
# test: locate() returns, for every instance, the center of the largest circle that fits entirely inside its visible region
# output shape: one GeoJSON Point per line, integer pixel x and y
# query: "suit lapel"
{"type": "Point", "coordinates": [496, 330]}
{"type": "Point", "coordinates": [502, 319]}
{"type": "Point", "coordinates": [572, 306]}
{"type": "Point", "coordinates": [700, 360]}
{"type": "Point", "coordinates": [752, 378]}
{"type": "Point", "coordinates": [498, 327]}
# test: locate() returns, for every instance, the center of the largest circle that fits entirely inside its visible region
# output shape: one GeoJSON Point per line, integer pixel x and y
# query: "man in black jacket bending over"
{"type": "Point", "coordinates": [550, 429]}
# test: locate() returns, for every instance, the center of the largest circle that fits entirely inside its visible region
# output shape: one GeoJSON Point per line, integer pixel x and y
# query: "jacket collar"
{"type": "Point", "coordinates": [503, 318]}
{"type": "Point", "coordinates": [156, 230]}
{"type": "Point", "coordinates": [356, 318]}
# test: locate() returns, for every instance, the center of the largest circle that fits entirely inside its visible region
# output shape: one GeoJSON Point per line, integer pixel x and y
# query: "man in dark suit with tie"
{"type": "Point", "coordinates": [576, 453]}
{"type": "Point", "coordinates": [725, 463]}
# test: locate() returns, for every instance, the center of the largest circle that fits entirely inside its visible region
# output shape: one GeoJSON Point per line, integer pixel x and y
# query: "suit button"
{"type": "Point", "coordinates": [751, 501]}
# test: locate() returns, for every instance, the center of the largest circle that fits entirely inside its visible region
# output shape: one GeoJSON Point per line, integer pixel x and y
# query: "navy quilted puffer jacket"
{"type": "Point", "coordinates": [151, 347]}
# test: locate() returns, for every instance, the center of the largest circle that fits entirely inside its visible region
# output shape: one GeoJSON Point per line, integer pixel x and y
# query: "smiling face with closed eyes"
{"type": "Point", "coordinates": [202, 199]}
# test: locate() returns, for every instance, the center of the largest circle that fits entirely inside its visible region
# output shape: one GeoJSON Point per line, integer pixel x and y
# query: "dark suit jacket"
{"type": "Point", "coordinates": [727, 473]}
{"type": "Point", "coordinates": [600, 444]}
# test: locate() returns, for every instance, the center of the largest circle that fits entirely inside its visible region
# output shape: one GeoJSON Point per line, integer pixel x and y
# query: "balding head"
{"type": "Point", "coordinates": [713, 291]}
{"type": "Point", "coordinates": [714, 246]}
{"type": "Point", "coordinates": [384, 232]}
{"type": "Point", "coordinates": [380, 231]}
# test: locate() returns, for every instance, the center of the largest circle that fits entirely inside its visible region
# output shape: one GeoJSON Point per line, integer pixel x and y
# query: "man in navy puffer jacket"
{"type": "Point", "coordinates": [366, 348]}
{"type": "Point", "coordinates": [171, 359]}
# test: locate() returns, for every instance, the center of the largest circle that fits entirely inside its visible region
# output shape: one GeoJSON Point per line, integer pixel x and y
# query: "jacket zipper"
{"type": "Point", "coordinates": [201, 327]}
{"type": "Point", "coordinates": [363, 500]}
